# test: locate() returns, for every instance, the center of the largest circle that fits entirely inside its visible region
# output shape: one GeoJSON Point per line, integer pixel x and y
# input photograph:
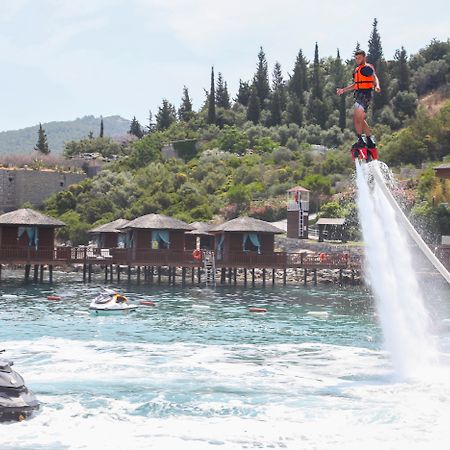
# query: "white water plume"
{"type": "Point", "coordinates": [402, 313]}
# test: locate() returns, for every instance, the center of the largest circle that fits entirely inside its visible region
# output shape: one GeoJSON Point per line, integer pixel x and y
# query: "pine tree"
{"type": "Point", "coordinates": [254, 106]}
{"type": "Point", "coordinates": [278, 84]}
{"type": "Point", "coordinates": [135, 128]}
{"type": "Point", "coordinates": [375, 51]}
{"type": "Point", "coordinates": [358, 47]}
{"type": "Point", "coordinates": [222, 95]}
{"type": "Point", "coordinates": [185, 109]}
{"type": "Point", "coordinates": [212, 100]}
{"type": "Point", "coordinates": [298, 83]}
{"type": "Point", "coordinates": [261, 78]}
{"type": "Point", "coordinates": [166, 115]}
{"type": "Point", "coordinates": [244, 92]}
{"type": "Point", "coordinates": [402, 70]}
{"type": "Point", "coordinates": [42, 143]}
{"type": "Point", "coordinates": [101, 127]}
{"type": "Point", "coordinates": [294, 110]}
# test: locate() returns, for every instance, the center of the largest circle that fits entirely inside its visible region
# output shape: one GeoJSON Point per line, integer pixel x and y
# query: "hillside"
{"type": "Point", "coordinates": [24, 140]}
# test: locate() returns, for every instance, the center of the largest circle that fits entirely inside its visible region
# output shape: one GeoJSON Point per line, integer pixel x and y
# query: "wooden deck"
{"type": "Point", "coordinates": [61, 256]}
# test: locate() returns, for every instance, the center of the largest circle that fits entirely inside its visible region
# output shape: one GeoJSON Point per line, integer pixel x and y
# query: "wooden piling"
{"type": "Point", "coordinates": [253, 276]}
{"type": "Point", "coordinates": [264, 276]}
{"type": "Point", "coordinates": [41, 274]}
{"type": "Point", "coordinates": [315, 277]}
{"type": "Point", "coordinates": [90, 273]}
{"type": "Point", "coordinates": [50, 274]}
{"type": "Point", "coordinates": [273, 277]}
{"type": "Point", "coordinates": [36, 273]}
{"type": "Point", "coordinates": [305, 276]}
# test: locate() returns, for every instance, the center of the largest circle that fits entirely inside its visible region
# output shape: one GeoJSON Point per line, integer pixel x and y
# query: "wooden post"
{"type": "Point", "coordinates": [139, 274]}
{"type": "Point", "coordinates": [111, 273]}
{"type": "Point", "coordinates": [159, 274]}
{"type": "Point", "coordinates": [253, 276]}
{"type": "Point", "coordinates": [305, 276]}
{"type": "Point", "coordinates": [235, 276]}
{"type": "Point", "coordinates": [245, 276]}
{"type": "Point", "coordinates": [192, 275]}
{"type": "Point", "coordinates": [199, 275]}
{"type": "Point", "coordinates": [129, 274]}
{"type": "Point", "coordinates": [273, 277]}
{"type": "Point", "coordinates": [84, 272]}
{"type": "Point", "coordinates": [27, 272]}
{"type": "Point", "coordinates": [106, 273]}
{"type": "Point", "coordinates": [315, 277]}
{"type": "Point", "coordinates": [50, 274]}
{"type": "Point", "coordinates": [264, 276]}
{"type": "Point", "coordinates": [284, 276]}
{"type": "Point", "coordinates": [35, 272]}
{"type": "Point", "coordinates": [118, 273]}
{"type": "Point", "coordinates": [353, 276]}
{"type": "Point", "coordinates": [90, 273]}
{"type": "Point", "coordinates": [0, 271]}
{"type": "Point", "coordinates": [41, 274]}
{"type": "Point", "coordinates": [223, 275]}
{"type": "Point", "coordinates": [174, 274]}
{"type": "Point", "coordinates": [230, 273]}
{"type": "Point", "coordinates": [340, 276]}
{"type": "Point", "coordinates": [183, 276]}
{"type": "Point", "coordinates": [151, 274]}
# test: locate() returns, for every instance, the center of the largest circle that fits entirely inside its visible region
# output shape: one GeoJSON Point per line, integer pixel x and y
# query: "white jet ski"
{"type": "Point", "coordinates": [110, 302]}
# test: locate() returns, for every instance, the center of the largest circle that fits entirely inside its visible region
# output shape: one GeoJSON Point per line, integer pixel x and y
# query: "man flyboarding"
{"type": "Point", "coordinates": [364, 81]}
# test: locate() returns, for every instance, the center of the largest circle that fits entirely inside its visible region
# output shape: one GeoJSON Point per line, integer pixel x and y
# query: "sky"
{"type": "Point", "coordinates": [63, 59]}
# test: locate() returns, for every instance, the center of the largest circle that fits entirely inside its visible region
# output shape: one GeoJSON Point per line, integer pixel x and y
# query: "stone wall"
{"type": "Point", "coordinates": [18, 186]}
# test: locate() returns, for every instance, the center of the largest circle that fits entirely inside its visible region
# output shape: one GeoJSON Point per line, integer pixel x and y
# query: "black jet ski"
{"type": "Point", "coordinates": [17, 402]}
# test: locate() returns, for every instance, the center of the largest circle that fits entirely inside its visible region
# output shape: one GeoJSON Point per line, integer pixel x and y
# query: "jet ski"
{"type": "Point", "coordinates": [17, 402]}
{"type": "Point", "coordinates": [110, 302]}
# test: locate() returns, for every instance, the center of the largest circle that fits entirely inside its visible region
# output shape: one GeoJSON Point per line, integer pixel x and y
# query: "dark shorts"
{"type": "Point", "coordinates": [363, 99]}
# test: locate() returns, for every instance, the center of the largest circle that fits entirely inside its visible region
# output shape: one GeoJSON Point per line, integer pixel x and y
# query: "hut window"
{"type": "Point", "coordinates": [32, 233]}
{"type": "Point", "coordinates": [160, 239]}
{"type": "Point", "coordinates": [122, 240]}
{"type": "Point", "coordinates": [251, 243]}
{"type": "Point", "coordinates": [129, 239]}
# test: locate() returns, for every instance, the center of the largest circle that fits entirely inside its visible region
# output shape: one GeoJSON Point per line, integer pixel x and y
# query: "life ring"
{"type": "Point", "coordinates": [197, 254]}
{"type": "Point", "coordinates": [53, 297]}
{"type": "Point", "coordinates": [147, 303]}
{"type": "Point", "coordinates": [322, 257]}
{"type": "Point", "coordinates": [257, 310]}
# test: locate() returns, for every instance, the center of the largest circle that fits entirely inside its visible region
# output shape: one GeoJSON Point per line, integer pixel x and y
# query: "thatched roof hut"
{"type": "Point", "coordinates": [157, 222]}
{"type": "Point", "coordinates": [29, 217]}
{"type": "Point", "coordinates": [246, 225]}
{"type": "Point", "coordinates": [110, 227]}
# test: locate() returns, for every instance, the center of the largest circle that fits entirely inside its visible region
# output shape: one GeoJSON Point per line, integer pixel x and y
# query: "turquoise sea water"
{"type": "Point", "coordinates": [200, 371]}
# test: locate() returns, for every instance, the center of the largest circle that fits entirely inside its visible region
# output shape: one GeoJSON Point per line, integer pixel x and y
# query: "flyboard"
{"type": "Point", "coordinates": [371, 156]}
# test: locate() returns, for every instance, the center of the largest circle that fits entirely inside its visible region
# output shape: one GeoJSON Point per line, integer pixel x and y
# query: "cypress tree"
{"type": "Point", "coordinates": [402, 70]}
{"type": "Point", "coordinates": [212, 100]}
{"type": "Point", "coordinates": [244, 92]}
{"type": "Point", "coordinates": [151, 125]}
{"type": "Point", "coordinates": [135, 128]}
{"type": "Point", "coordinates": [316, 91]}
{"type": "Point", "coordinates": [339, 75]}
{"type": "Point", "coordinates": [185, 109]}
{"type": "Point", "coordinates": [166, 115]}
{"type": "Point", "coordinates": [222, 95]}
{"type": "Point", "coordinates": [375, 51]}
{"type": "Point", "coordinates": [254, 106]}
{"type": "Point", "coordinates": [101, 128]}
{"type": "Point", "coordinates": [275, 108]}
{"type": "Point", "coordinates": [298, 83]}
{"type": "Point", "coordinates": [261, 78]}
{"type": "Point", "coordinates": [42, 143]}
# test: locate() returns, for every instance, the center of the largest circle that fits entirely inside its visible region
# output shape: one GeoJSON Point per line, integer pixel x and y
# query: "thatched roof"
{"type": "Point", "coordinates": [330, 221]}
{"type": "Point", "coordinates": [158, 222]}
{"type": "Point", "coordinates": [110, 227]}
{"type": "Point", "coordinates": [200, 229]}
{"type": "Point", "coordinates": [247, 225]}
{"type": "Point", "coordinates": [29, 217]}
{"type": "Point", "coordinates": [298, 188]}
{"type": "Point", "coordinates": [442, 166]}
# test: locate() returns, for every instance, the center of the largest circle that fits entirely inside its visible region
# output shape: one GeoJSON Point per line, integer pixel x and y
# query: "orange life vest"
{"type": "Point", "coordinates": [361, 81]}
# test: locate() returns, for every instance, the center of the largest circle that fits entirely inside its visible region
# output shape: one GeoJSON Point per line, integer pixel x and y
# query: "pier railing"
{"type": "Point", "coordinates": [174, 258]}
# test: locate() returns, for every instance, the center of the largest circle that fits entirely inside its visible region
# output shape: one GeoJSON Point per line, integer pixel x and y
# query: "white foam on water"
{"type": "Point", "coordinates": [198, 396]}
{"type": "Point", "coordinates": [389, 270]}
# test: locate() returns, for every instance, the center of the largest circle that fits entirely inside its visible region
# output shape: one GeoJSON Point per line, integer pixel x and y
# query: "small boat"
{"type": "Point", "coordinates": [17, 402]}
{"type": "Point", "coordinates": [110, 302]}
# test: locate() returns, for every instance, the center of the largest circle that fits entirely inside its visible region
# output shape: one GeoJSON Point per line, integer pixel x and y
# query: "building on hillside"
{"type": "Point", "coordinates": [200, 237]}
{"type": "Point", "coordinates": [297, 212]}
{"type": "Point", "coordinates": [110, 235]}
{"type": "Point", "coordinates": [442, 171]}
{"type": "Point", "coordinates": [331, 229]}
